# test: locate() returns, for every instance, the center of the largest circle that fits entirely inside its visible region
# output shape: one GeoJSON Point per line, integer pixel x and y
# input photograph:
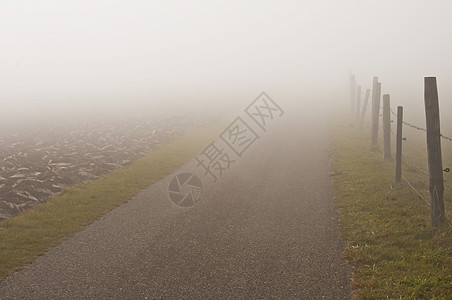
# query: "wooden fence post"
{"type": "Point", "coordinates": [435, 164]}
{"type": "Point", "coordinates": [352, 93]}
{"type": "Point", "coordinates": [375, 109]}
{"type": "Point", "coordinates": [363, 113]}
{"type": "Point", "coordinates": [358, 102]}
{"type": "Point", "coordinates": [398, 174]}
{"type": "Point", "coordinates": [386, 127]}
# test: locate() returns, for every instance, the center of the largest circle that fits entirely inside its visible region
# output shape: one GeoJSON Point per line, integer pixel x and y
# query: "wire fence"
{"type": "Point", "coordinates": [416, 167]}
{"type": "Point", "coordinates": [406, 180]}
{"type": "Point", "coordinates": [412, 164]}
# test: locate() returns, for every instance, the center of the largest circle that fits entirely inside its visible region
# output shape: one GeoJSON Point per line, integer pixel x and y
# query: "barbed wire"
{"type": "Point", "coordinates": [419, 194]}
{"type": "Point", "coordinates": [419, 128]}
{"type": "Point", "coordinates": [412, 187]}
{"type": "Point", "coordinates": [409, 124]}
{"type": "Point", "coordinates": [445, 137]}
{"type": "Point", "coordinates": [392, 112]}
{"type": "Point", "coordinates": [425, 200]}
{"type": "Point", "coordinates": [419, 169]}
{"type": "Point", "coordinates": [409, 184]}
{"type": "Point", "coordinates": [414, 126]}
{"type": "Point", "coordinates": [416, 167]}
{"type": "Point", "coordinates": [410, 162]}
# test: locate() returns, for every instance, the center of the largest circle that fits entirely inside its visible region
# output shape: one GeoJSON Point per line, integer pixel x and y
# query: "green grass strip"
{"type": "Point", "coordinates": [395, 252]}
{"type": "Point", "coordinates": [23, 238]}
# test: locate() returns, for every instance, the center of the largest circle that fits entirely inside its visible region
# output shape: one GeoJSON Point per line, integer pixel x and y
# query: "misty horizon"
{"type": "Point", "coordinates": [87, 58]}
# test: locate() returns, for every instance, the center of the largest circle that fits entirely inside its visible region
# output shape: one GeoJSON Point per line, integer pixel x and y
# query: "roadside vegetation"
{"type": "Point", "coordinates": [25, 237]}
{"type": "Point", "coordinates": [395, 252]}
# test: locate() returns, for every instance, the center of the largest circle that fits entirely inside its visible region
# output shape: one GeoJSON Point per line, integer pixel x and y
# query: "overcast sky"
{"type": "Point", "coordinates": [57, 52]}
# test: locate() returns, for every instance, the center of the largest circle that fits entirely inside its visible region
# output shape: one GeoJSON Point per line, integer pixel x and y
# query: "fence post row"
{"type": "Point", "coordinates": [376, 91]}
{"type": "Point", "coordinates": [398, 174]}
{"type": "Point", "coordinates": [386, 127]}
{"type": "Point", "coordinates": [435, 163]}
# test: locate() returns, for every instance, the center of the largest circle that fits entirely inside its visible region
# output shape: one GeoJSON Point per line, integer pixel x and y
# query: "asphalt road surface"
{"type": "Point", "coordinates": [266, 229]}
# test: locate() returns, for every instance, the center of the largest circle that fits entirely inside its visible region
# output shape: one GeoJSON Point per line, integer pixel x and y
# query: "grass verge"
{"type": "Point", "coordinates": [25, 237]}
{"type": "Point", "coordinates": [395, 252]}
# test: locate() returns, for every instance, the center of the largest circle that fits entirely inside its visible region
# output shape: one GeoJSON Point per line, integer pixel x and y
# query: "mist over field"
{"type": "Point", "coordinates": [86, 58]}
{"type": "Point", "coordinates": [205, 149]}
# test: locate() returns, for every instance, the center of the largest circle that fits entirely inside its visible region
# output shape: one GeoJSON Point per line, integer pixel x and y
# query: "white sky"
{"type": "Point", "coordinates": [63, 52]}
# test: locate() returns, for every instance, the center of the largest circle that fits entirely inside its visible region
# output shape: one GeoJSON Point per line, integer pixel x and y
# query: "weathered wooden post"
{"type": "Point", "coordinates": [386, 127]}
{"type": "Point", "coordinates": [435, 163]}
{"type": "Point", "coordinates": [398, 174]}
{"type": "Point", "coordinates": [376, 91]}
{"type": "Point", "coordinates": [358, 102]}
{"type": "Point", "coordinates": [375, 112]}
{"type": "Point", "coordinates": [352, 93]}
{"type": "Point", "coordinates": [363, 113]}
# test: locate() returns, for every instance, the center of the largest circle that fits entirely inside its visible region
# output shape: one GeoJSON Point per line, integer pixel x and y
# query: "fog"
{"type": "Point", "coordinates": [96, 57]}
{"type": "Point", "coordinates": [91, 89]}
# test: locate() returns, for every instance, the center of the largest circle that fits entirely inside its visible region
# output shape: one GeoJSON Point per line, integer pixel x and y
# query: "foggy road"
{"type": "Point", "coordinates": [84, 84]}
{"type": "Point", "coordinates": [265, 230]}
